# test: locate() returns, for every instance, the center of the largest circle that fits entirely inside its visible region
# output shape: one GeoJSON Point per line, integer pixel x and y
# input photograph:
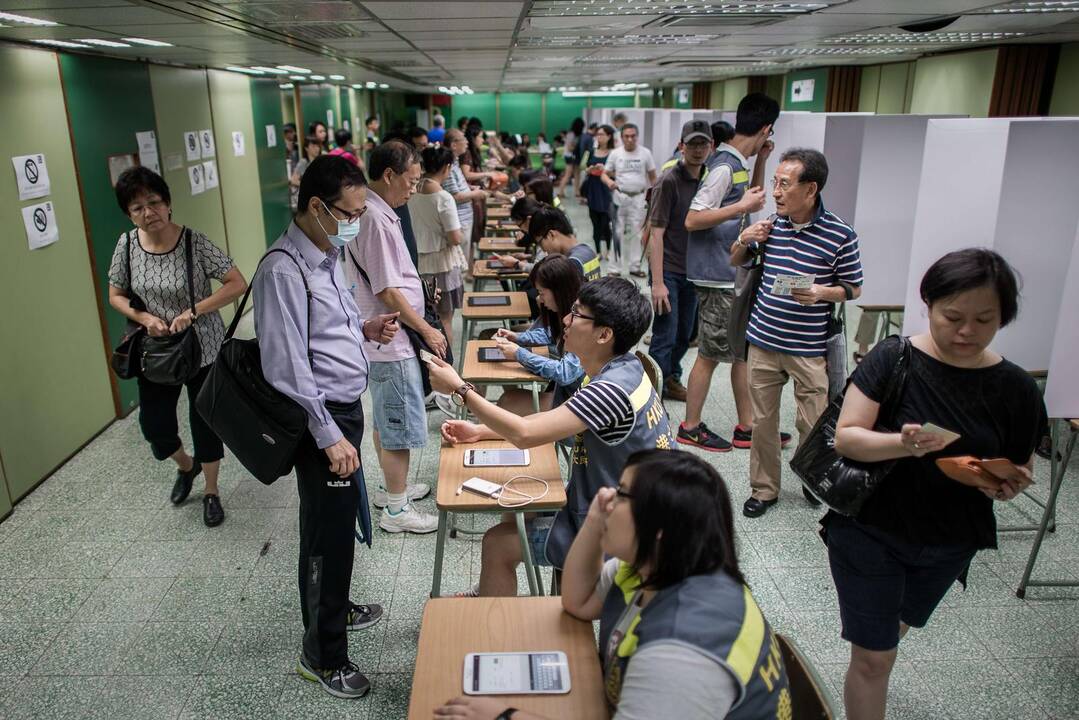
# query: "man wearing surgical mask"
{"type": "Point", "coordinates": [311, 340]}
{"type": "Point", "coordinates": [385, 280]}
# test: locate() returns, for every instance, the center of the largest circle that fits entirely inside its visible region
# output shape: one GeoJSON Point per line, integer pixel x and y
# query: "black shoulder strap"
{"type": "Point", "coordinates": [127, 249]}
{"type": "Point", "coordinates": [243, 303]}
{"type": "Point", "coordinates": [186, 233]}
{"type": "Point", "coordinates": [359, 269]}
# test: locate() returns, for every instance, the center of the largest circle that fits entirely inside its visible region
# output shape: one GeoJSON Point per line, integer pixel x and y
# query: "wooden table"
{"type": "Point", "coordinates": [454, 627]}
{"type": "Point", "coordinates": [473, 314]}
{"type": "Point", "coordinates": [452, 472]}
{"type": "Point", "coordinates": [497, 213]}
{"type": "Point", "coordinates": [481, 275]}
{"type": "Point", "coordinates": [501, 374]}
{"type": "Point", "coordinates": [501, 227]}
{"type": "Point", "coordinates": [499, 245]}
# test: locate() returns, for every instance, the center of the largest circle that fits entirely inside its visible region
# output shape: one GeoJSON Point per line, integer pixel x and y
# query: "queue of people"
{"type": "Point", "coordinates": [363, 295]}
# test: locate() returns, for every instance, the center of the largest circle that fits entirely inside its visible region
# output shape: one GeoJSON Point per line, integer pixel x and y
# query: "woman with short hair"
{"type": "Point", "coordinates": [150, 264]}
{"type": "Point", "coordinates": [312, 148]}
{"type": "Point", "coordinates": [920, 529]}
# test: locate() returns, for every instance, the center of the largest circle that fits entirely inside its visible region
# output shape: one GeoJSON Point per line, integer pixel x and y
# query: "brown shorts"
{"type": "Point", "coordinates": [715, 316]}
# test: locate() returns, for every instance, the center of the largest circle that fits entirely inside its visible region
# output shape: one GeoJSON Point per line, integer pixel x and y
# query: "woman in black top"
{"type": "Point", "coordinates": [917, 534]}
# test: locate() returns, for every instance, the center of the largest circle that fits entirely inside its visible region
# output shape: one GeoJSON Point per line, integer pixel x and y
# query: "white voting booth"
{"type": "Point", "coordinates": [1062, 385]}
{"type": "Point", "coordinates": [1005, 184]}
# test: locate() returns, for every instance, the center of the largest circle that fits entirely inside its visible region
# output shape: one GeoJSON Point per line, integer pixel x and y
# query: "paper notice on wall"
{"type": "Point", "coordinates": [271, 136]}
{"type": "Point", "coordinates": [802, 90]}
{"type": "Point", "coordinates": [207, 138]}
{"type": "Point", "coordinates": [173, 162]}
{"type": "Point", "coordinates": [191, 146]}
{"type": "Point", "coordinates": [40, 223]}
{"type": "Point", "coordinates": [31, 175]}
{"type": "Point", "coordinates": [209, 173]}
{"type": "Point", "coordinates": [148, 157]}
{"type": "Point", "coordinates": [198, 182]}
{"type": "Point", "coordinates": [345, 123]}
{"type": "Point", "coordinates": [238, 148]}
{"type": "Point", "coordinates": [118, 164]}
{"type": "Point", "coordinates": [329, 118]}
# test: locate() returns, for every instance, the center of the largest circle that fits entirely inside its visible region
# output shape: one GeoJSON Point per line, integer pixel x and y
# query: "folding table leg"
{"type": "Point", "coordinates": [526, 553]}
{"type": "Point", "coordinates": [1056, 481]}
{"type": "Point", "coordinates": [440, 549]}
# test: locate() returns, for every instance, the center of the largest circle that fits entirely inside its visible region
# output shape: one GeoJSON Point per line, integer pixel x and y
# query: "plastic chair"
{"type": "Point", "coordinates": [809, 699]}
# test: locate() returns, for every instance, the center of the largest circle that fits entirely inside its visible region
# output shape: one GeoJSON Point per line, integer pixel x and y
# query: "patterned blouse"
{"type": "Point", "coordinates": [160, 279]}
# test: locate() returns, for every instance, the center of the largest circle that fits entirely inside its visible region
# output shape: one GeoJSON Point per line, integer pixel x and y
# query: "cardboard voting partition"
{"type": "Point", "coordinates": [1062, 386]}
{"type": "Point", "coordinates": [1003, 184]}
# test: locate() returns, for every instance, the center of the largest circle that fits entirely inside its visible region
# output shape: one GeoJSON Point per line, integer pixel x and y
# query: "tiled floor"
{"type": "Point", "coordinates": [115, 604]}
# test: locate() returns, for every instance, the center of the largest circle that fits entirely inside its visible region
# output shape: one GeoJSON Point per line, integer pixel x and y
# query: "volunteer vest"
{"type": "Point", "coordinates": [708, 252]}
{"type": "Point", "coordinates": [596, 464]}
{"type": "Point", "coordinates": [588, 260]}
{"type": "Point", "coordinates": [714, 614]}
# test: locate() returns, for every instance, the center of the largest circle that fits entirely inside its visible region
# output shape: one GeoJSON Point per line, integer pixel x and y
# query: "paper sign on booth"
{"type": "Point", "coordinates": [209, 173]}
{"type": "Point", "coordinates": [271, 136]}
{"type": "Point", "coordinates": [31, 175]}
{"type": "Point", "coordinates": [238, 148]}
{"type": "Point", "coordinates": [40, 223]}
{"type": "Point", "coordinates": [191, 146]}
{"type": "Point", "coordinates": [198, 181]}
{"type": "Point", "coordinates": [207, 137]}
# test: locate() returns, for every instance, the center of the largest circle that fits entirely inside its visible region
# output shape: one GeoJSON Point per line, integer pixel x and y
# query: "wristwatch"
{"type": "Point", "coordinates": [506, 714]}
{"type": "Point", "coordinates": [458, 395]}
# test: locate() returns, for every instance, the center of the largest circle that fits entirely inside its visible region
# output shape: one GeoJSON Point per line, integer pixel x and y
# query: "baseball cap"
{"type": "Point", "coordinates": [696, 128]}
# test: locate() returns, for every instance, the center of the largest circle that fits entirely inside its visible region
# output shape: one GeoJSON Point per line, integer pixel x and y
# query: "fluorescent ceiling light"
{"type": "Point", "coordinates": [371, 85]}
{"type": "Point", "coordinates": [793, 51]}
{"type": "Point", "coordinates": [293, 68]}
{"type": "Point", "coordinates": [285, 86]}
{"type": "Point", "coordinates": [27, 20]}
{"type": "Point", "coordinates": [1029, 6]}
{"type": "Point", "coordinates": [337, 77]}
{"type": "Point", "coordinates": [930, 38]}
{"type": "Point", "coordinates": [443, 89]}
{"type": "Point", "coordinates": [150, 43]}
{"type": "Point", "coordinates": [297, 77]}
{"type": "Point", "coordinates": [357, 86]}
{"type": "Point", "coordinates": [61, 43]}
{"type": "Point", "coordinates": [102, 43]}
{"type": "Point", "coordinates": [316, 77]}
{"type": "Point", "coordinates": [596, 93]}
{"type": "Point", "coordinates": [570, 41]}
{"type": "Point", "coordinates": [246, 71]}
{"type": "Point", "coordinates": [383, 86]}
{"type": "Point", "coordinates": [271, 70]}
{"type": "Point", "coordinates": [573, 8]}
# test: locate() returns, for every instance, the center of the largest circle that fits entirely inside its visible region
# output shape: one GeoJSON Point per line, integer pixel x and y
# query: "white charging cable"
{"type": "Point", "coordinates": [525, 497]}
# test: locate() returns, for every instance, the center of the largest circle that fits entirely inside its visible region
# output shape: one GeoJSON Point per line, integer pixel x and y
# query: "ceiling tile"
{"type": "Point", "coordinates": [435, 10]}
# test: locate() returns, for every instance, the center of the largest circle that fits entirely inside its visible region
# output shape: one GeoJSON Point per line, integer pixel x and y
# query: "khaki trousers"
{"type": "Point", "coordinates": [768, 373]}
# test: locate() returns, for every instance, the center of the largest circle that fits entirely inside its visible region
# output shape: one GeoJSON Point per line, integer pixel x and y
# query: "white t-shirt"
{"type": "Point", "coordinates": [631, 168]}
{"type": "Point", "coordinates": [717, 184]}
{"type": "Point", "coordinates": [433, 216]}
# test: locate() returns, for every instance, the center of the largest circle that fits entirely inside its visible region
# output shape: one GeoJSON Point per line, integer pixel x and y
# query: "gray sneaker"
{"type": "Point", "coordinates": [344, 682]}
{"type": "Point", "coordinates": [362, 616]}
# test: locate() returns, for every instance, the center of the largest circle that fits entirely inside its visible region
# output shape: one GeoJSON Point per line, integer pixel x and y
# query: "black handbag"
{"type": "Point", "coordinates": [173, 359]}
{"type": "Point", "coordinates": [261, 425]}
{"type": "Point", "coordinates": [430, 316]}
{"type": "Point", "coordinates": [841, 483]}
{"type": "Point", "coordinates": [125, 357]}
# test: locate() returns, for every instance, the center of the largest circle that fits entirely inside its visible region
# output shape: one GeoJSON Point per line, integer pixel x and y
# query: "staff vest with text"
{"type": "Point", "coordinates": [588, 260]}
{"type": "Point", "coordinates": [708, 252]}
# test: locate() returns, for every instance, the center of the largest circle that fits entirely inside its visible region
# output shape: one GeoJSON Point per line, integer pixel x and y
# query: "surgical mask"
{"type": "Point", "coordinates": [345, 230]}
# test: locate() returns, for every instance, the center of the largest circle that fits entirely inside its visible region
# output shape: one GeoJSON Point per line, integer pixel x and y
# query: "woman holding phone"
{"type": "Point", "coordinates": [919, 531]}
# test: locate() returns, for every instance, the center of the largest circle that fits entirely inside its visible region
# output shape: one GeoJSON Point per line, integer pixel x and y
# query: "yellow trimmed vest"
{"type": "Point", "coordinates": [588, 260]}
{"type": "Point", "coordinates": [596, 464]}
{"type": "Point", "coordinates": [708, 252]}
{"type": "Point", "coordinates": [715, 615]}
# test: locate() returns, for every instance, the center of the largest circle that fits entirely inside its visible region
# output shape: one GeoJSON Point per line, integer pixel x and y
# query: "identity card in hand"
{"type": "Point", "coordinates": [948, 436]}
{"type": "Point", "coordinates": [783, 284]}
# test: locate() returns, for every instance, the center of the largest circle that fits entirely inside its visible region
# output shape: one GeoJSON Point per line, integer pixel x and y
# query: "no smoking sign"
{"type": "Point", "coordinates": [31, 175]}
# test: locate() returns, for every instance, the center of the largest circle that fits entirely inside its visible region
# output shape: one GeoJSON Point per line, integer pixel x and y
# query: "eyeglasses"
{"type": "Point", "coordinates": [784, 185]}
{"type": "Point", "coordinates": [350, 217]}
{"type": "Point", "coordinates": [575, 311]}
{"type": "Point", "coordinates": [771, 132]}
{"type": "Point", "coordinates": [152, 204]}
{"type": "Point", "coordinates": [622, 494]}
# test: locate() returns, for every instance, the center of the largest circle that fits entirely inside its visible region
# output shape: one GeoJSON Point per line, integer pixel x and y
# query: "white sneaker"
{"type": "Point", "coordinates": [408, 520]}
{"type": "Point", "coordinates": [412, 492]}
{"type": "Point", "coordinates": [443, 402]}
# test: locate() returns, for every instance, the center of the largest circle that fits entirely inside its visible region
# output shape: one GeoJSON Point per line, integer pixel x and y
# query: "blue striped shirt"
{"type": "Point", "coordinates": [826, 248]}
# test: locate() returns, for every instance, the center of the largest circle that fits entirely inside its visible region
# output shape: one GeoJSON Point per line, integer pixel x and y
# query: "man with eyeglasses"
{"type": "Point", "coordinates": [788, 331]}
{"type": "Point", "coordinates": [716, 216]}
{"type": "Point", "coordinates": [616, 413]}
{"type": "Point", "coordinates": [385, 280]}
{"type": "Point", "coordinates": [311, 337]}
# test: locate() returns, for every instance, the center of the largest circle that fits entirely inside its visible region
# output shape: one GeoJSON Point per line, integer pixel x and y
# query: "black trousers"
{"type": "Point", "coordinates": [601, 228]}
{"type": "Point", "coordinates": [157, 419]}
{"type": "Point", "coordinates": [327, 541]}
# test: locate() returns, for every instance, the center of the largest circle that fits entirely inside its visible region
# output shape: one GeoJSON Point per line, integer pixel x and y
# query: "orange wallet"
{"type": "Point", "coordinates": [975, 472]}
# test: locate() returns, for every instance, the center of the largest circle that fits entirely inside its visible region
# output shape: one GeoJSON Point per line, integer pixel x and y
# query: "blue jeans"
{"type": "Point", "coordinates": [671, 331]}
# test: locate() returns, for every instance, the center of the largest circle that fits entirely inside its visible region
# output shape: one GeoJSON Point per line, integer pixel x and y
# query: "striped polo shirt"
{"type": "Point", "coordinates": [828, 248]}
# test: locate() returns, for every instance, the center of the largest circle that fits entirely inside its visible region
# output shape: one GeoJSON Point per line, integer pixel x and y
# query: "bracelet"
{"type": "Point", "coordinates": [506, 714]}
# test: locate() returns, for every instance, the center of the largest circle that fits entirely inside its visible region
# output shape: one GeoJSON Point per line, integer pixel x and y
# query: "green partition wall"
{"type": "Point", "coordinates": [561, 112]}
{"type": "Point", "coordinates": [94, 87]}
{"type": "Point", "coordinates": [481, 105]}
{"type": "Point", "coordinates": [5, 499]}
{"type": "Point", "coordinates": [1065, 99]}
{"type": "Point", "coordinates": [819, 76]}
{"type": "Point", "coordinates": [273, 178]}
{"type": "Point", "coordinates": [520, 113]}
{"type": "Point", "coordinates": [55, 390]}
{"type": "Point", "coordinates": [231, 102]}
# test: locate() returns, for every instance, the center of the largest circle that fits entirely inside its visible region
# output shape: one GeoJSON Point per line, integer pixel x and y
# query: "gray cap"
{"type": "Point", "coordinates": [696, 128]}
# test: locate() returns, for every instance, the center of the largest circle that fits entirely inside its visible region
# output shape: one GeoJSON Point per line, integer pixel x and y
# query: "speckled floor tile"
{"type": "Point", "coordinates": [125, 599]}
{"type": "Point", "coordinates": [213, 557]}
{"type": "Point", "coordinates": [170, 648]}
{"type": "Point", "coordinates": [271, 598]}
{"type": "Point", "coordinates": [412, 592]}
{"type": "Point", "coordinates": [153, 559]}
{"type": "Point", "coordinates": [818, 636]}
{"type": "Point", "coordinates": [76, 698]}
{"type": "Point", "coordinates": [24, 560]}
{"type": "Point", "coordinates": [373, 589]}
{"type": "Point", "coordinates": [305, 700]}
{"type": "Point", "coordinates": [382, 558]}
{"type": "Point", "coordinates": [202, 598]}
{"type": "Point", "coordinates": [134, 698]}
{"type": "Point", "coordinates": [945, 637]}
{"type": "Point", "coordinates": [974, 690]}
{"type": "Point", "coordinates": [81, 559]}
{"type": "Point", "coordinates": [794, 548]}
{"type": "Point", "coordinates": [418, 556]}
{"type": "Point", "coordinates": [249, 648]}
{"type": "Point", "coordinates": [55, 600]}
{"type": "Point", "coordinates": [1025, 633]}
{"type": "Point", "coordinates": [1051, 682]}
{"type": "Point", "coordinates": [399, 646]}
{"type": "Point", "coordinates": [22, 644]}
{"type": "Point", "coordinates": [87, 649]}
{"type": "Point", "coordinates": [128, 525]}
{"type": "Point", "coordinates": [222, 698]}
{"type": "Point", "coordinates": [806, 588]}
{"type": "Point", "coordinates": [389, 696]}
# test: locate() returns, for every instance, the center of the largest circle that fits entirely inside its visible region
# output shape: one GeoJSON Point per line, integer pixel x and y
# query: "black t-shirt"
{"type": "Point", "coordinates": [998, 411]}
{"type": "Point", "coordinates": [671, 198]}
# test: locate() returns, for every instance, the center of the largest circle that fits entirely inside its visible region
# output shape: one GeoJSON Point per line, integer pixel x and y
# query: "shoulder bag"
{"type": "Point", "coordinates": [841, 483]}
{"type": "Point", "coordinates": [125, 357]}
{"type": "Point", "coordinates": [261, 425]}
{"type": "Point", "coordinates": [430, 316]}
{"type": "Point", "coordinates": [746, 283]}
{"type": "Point", "coordinates": [175, 358]}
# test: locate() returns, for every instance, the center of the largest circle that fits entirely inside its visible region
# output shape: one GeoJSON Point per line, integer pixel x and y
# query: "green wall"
{"type": "Point", "coordinates": [182, 103]}
{"type": "Point", "coordinates": [820, 89]}
{"type": "Point", "coordinates": [230, 98]}
{"type": "Point", "coordinates": [561, 111]}
{"type": "Point", "coordinates": [1065, 100]}
{"type": "Point", "coordinates": [94, 87]}
{"type": "Point", "coordinates": [886, 89]}
{"type": "Point", "coordinates": [869, 88]}
{"type": "Point", "coordinates": [481, 105]}
{"type": "Point", "coordinates": [55, 390]}
{"type": "Point", "coordinates": [954, 83]}
{"type": "Point", "coordinates": [266, 110]}
{"type": "Point", "coordinates": [315, 100]}
{"type": "Point", "coordinates": [520, 113]}
{"type": "Point", "coordinates": [733, 91]}
{"type": "Point", "coordinates": [5, 499]}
